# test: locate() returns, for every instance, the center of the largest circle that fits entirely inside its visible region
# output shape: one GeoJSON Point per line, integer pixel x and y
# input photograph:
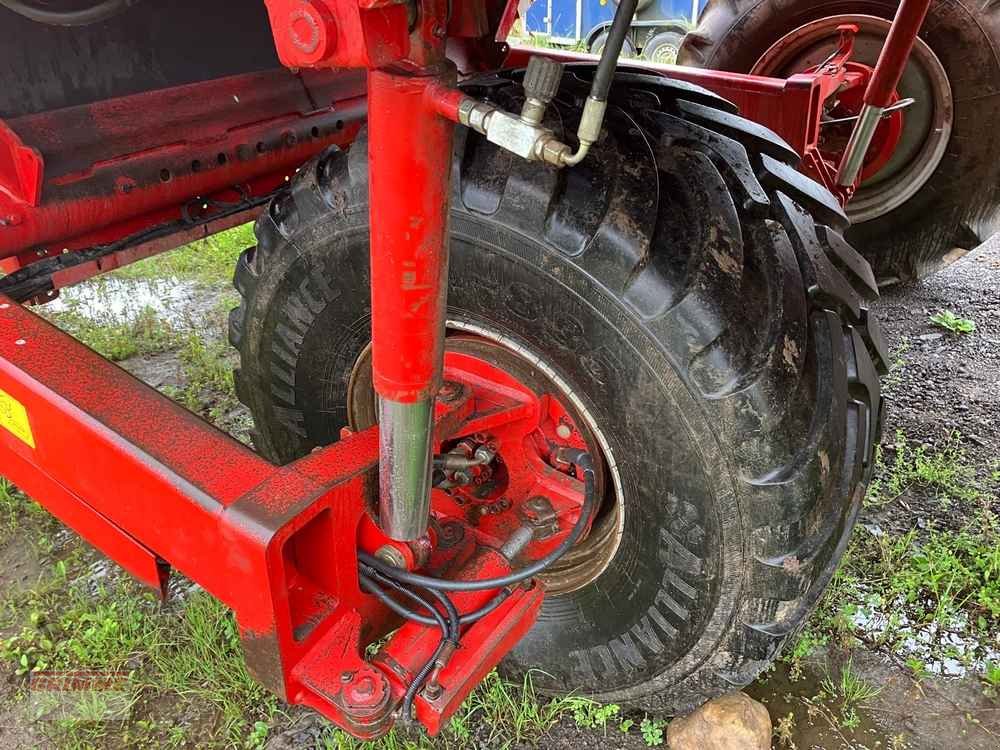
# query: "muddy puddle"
{"type": "Point", "coordinates": [897, 711]}
{"type": "Point", "coordinates": [181, 304]}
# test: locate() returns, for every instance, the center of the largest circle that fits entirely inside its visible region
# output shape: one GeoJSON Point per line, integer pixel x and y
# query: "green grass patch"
{"type": "Point", "coordinates": [119, 339]}
{"type": "Point", "coordinates": [943, 471]}
{"type": "Point", "coordinates": [211, 260]}
{"type": "Point", "coordinates": [850, 692]}
{"type": "Point", "coordinates": [919, 584]}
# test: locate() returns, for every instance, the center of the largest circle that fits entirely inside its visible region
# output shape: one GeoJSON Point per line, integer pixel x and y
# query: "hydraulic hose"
{"type": "Point", "coordinates": [592, 119]}
{"type": "Point", "coordinates": [373, 588]}
{"type": "Point", "coordinates": [584, 464]}
{"type": "Point", "coordinates": [612, 49]}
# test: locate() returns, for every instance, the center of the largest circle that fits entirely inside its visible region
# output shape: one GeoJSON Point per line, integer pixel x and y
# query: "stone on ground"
{"type": "Point", "coordinates": [732, 722]}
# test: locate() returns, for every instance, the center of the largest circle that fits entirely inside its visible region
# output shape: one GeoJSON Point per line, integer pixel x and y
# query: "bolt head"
{"type": "Point", "coordinates": [392, 556]}
{"type": "Point", "coordinates": [564, 431]}
{"type": "Point", "coordinates": [366, 692]}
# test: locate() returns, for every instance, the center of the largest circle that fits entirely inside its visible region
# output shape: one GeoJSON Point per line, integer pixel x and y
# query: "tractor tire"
{"type": "Point", "coordinates": [714, 327]}
{"type": "Point", "coordinates": [934, 197]}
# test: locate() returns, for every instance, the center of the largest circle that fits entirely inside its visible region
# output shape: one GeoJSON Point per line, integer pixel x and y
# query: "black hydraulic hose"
{"type": "Point", "coordinates": [583, 462]}
{"type": "Point", "coordinates": [421, 676]}
{"type": "Point", "coordinates": [374, 589]}
{"type": "Point", "coordinates": [420, 679]}
{"type": "Point", "coordinates": [612, 49]}
{"type": "Point", "coordinates": [409, 614]}
{"type": "Point", "coordinates": [450, 611]}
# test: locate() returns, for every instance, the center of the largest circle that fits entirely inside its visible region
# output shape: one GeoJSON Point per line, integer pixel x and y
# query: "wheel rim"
{"type": "Point", "coordinates": [926, 125]}
{"type": "Point", "coordinates": [490, 350]}
{"type": "Point", "coordinates": [665, 54]}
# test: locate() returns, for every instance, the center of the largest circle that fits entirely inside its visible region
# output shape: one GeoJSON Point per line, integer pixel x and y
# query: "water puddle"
{"type": "Point", "coordinates": [891, 709]}
{"type": "Point", "coordinates": [945, 651]}
{"type": "Point", "coordinates": [182, 304]}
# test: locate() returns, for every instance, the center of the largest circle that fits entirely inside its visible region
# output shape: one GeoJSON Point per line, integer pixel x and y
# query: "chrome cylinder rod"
{"type": "Point", "coordinates": [857, 146]}
{"type": "Point", "coordinates": [405, 436]}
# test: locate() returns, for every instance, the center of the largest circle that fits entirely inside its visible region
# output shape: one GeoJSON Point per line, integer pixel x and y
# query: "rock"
{"type": "Point", "coordinates": [931, 336]}
{"type": "Point", "coordinates": [732, 722]}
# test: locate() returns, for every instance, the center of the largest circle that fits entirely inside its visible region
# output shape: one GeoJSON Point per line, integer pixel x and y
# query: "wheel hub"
{"type": "Point", "coordinates": [898, 165]}
{"type": "Point", "coordinates": [501, 472]}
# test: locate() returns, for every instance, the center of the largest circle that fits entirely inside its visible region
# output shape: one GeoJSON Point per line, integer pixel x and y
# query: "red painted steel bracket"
{"type": "Point", "coordinates": [272, 543]}
{"type": "Point", "coordinates": [21, 170]}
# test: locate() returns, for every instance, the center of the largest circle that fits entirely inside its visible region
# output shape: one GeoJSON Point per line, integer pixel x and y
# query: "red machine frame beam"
{"type": "Point", "coordinates": [111, 168]}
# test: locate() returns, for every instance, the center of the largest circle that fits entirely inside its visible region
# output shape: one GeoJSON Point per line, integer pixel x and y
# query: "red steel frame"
{"type": "Point", "coordinates": [153, 486]}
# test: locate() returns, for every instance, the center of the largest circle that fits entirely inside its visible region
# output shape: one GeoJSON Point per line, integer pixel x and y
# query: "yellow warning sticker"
{"type": "Point", "coordinates": [14, 418]}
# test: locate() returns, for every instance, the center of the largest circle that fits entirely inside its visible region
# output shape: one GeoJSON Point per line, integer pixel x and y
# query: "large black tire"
{"type": "Point", "coordinates": [714, 326]}
{"type": "Point", "coordinates": [958, 205]}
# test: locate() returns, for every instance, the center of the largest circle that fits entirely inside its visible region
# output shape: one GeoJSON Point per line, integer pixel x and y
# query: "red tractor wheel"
{"type": "Point", "coordinates": [707, 341]}
{"type": "Point", "coordinates": [941, 187]}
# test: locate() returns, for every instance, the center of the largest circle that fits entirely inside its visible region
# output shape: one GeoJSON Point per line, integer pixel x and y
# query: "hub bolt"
{"type": "Point", "coordinates": [564, 431]}
{"type": "Point", "coordinates": [391, 556]}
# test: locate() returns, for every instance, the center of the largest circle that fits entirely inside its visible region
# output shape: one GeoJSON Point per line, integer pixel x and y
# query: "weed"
{"type": "Point", "coordinates": [917, 667]}
{"type": "Point", "coordinates": [949, 321]}
{"type": "Point", "coordinates": [851, 692]}
{"type": "Point", "coordinates": [785, 731]}
{"type": "Point", "coordinates": [591, 715]}
{"type": "Point", "coordinates": [991, 679]}
{"type": "Point", "coordinates": [652, 731]}
{"type": "Point", "coordinates": [943, 471]}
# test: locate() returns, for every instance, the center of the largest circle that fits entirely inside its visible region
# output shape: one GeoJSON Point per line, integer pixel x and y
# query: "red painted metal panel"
{"type": "Point", "coordinates": [120, 165]}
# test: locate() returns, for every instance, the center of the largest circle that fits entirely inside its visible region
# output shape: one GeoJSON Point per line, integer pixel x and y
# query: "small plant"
{"type": "Point", "coordinates": [785, 731]}
{"type": "Point", "coordinates": [652, 731]}
{"type": "Point", "coordinates": [917, 667]}
{"type": "Point", "coordinates": [991, 679]}
{"type": "Point", "coordinates": [626, 725]}
{"type": "Point", "coordinates": [851, 691]}
{"type": "Point", "coordinates": [591, 715]}
{"type": "Point", "coordinates": [949, 321]}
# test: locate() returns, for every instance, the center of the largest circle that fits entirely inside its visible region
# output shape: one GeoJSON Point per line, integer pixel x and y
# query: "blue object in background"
{"type": "Point", "coordinates": [573, 21]}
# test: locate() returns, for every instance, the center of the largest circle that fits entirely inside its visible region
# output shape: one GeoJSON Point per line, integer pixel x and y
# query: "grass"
{"type": "Point", "coordinates": [850, 692]}
{"type": "Point", "coordinates": [211, 260]}
{"type": "Point", "coordinates": [950, 322]}
{"type": "Point", "coordinates": [116, 338]}
{"type": "Point", "coordinates": [942, 470]}
{"type": "Point", "coordinates": [923, 583]}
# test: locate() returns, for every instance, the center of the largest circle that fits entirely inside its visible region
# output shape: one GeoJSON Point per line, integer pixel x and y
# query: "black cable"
{"type": "Point", "coordinates": [449, 608]}
{"type": "Point", "coordinates": [612, 49]}
{"type": "Point", "coordinates": [583, 462]}
{"type": "Point", "coordinates": [419, 679]}
{"type": "Point", "coordinates": [466, 619]}
{"type": "Point", "coordinates": [373, 588]}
